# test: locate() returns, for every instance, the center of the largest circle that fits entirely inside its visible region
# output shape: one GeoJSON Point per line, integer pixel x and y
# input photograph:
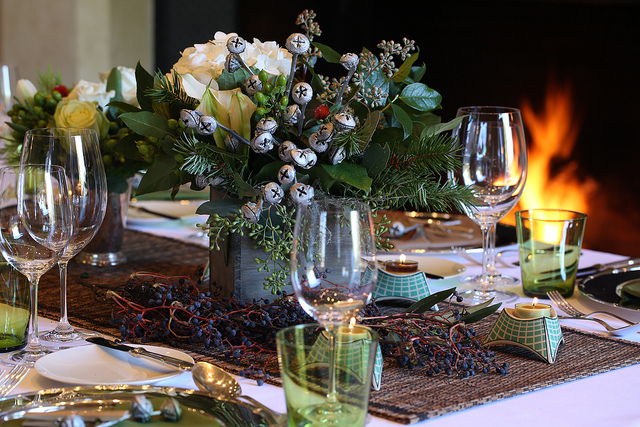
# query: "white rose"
{"type": "Point", "coordinates": [25, 90]}
{"type": "Point", "coordinates": [94, 92]}
{"type": "Point", "coordinates": [129, 88]}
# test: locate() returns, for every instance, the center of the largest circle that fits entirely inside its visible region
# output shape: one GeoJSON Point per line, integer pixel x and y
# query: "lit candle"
{"type": "Point", "coordinates": [403, 265]}
{"type": "Point", "coordinates": [533, 310]}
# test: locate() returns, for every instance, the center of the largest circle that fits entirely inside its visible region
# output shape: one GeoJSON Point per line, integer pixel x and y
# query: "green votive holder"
{"type": "Point", "coordinates": [304, 356]}
{"type": "Point", "coordinates": [540, 336]}
{"type": "Point", "coordinates": [413, 286]}
{"type": "Point", "coordinates": [14, 308]}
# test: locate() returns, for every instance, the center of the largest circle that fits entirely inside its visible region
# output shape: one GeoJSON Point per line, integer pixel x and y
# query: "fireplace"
{"type": "Point", "coordinates": [568, 64]}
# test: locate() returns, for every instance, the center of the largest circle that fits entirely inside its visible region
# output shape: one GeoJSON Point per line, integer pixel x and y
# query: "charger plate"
{"type": "Point", "coordinates": [606, 287]}
{"type": "Point", "coordinates": [198, 408]}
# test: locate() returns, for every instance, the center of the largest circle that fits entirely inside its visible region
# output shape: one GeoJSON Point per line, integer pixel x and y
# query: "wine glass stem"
{"type": "Point", "coordinates": [332, 396]}
{"type": "Point", "coordinates": [491, 251]}
{"type": "Point", "coordinates": [34, 340]}
{"type": "Point", "coordinates": [486, 248]}
{"type": "Point", "coordinates": [63, 325]}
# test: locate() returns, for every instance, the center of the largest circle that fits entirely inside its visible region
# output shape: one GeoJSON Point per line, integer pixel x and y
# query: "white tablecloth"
{"type": "Point", "coordinates": [609, 399]}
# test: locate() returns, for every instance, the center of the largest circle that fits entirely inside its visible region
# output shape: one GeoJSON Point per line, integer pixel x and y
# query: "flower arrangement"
{"type": "Point", "coordinates": [84, 105]}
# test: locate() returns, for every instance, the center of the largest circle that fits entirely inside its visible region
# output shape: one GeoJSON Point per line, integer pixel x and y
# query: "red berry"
{"type": "Point", "coordinates": [62, 89]}
{"type": "Point", "coordinates": [322, 112]}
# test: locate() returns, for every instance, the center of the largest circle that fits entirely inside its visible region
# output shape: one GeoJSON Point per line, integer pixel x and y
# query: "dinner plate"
{"type": "Point", "coordinates": [93, 364]}
{"type": "Point", "coordinates": [140, 212]}
{"type": "Point", "coordinates": [198, 408]}
{"type": "Point", "coordinates": [438, 266]}
{"type": "Point", "coordinates": [606, 287]}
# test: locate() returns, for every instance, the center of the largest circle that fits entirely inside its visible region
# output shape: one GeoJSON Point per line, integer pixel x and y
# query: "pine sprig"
{"type": "Point", "coordinates": [169, 89]}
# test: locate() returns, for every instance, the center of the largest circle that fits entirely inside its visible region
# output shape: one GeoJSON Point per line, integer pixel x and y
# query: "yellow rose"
{"type": "Point", "coordinates": [81, 114]}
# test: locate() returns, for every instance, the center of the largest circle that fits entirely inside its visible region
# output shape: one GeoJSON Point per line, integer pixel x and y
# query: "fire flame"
{"type": "Point", "coordinates": [552, 180]}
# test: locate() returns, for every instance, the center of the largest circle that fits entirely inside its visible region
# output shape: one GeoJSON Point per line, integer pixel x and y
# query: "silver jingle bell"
{"type": "Point", "coordinates": [71, 421]}
{"type": "Point", "coordinates": [291, 114]}
{"type": "Point", "coordinates": [251, 211]}
{"type": "Point", "coordinates": [266, 124]}
{"type": "Point", "coordinates": [190, 118]}
{"type": "Point", "coordinates": [317, 145]}
{"type": "Point", "coordinates": [301, 193]}
{"type": "Point", "coordinates": [231, 64]}
{"type": "Point", "coordinates": [287, 174]}
{"type": "Point", "coordinates": [272, 193]}
{"type": "Point", "coordinates": [170, 410]}
{"type": "Point", "coordinates": [206, 125]}
{"type": "Point", "coordinates": [344, 122]}
{"type": "Point", "coordinates": [337, 155]}
{"type": "Point", "coordinates": [236, 44]}
{"type": "Point", "coordinates": [232, 143]}
{"type": "Point", "coordinates": [305, 158]}
{"type": "Point", "coordinates": [396, 229]}
{"type": "Point", "coordinates": [302, 93]}
{"type": "Point", "coordinates": [349, 61]}
{"type": "Point", "coordinates": [297, 43]}
{"type": "Point", "coordinates": [253, 85]}
{"type": "Point", "coordinates": [326, 131]}
{"type": "Point", "coordinates": [284, 151]}
{"type": "Point", "coordinates": [262, 143]}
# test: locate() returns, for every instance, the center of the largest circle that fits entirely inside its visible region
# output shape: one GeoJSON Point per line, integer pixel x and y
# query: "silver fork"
{"type": "Point", "coordinates": [573, 311]}
{"type": "Point", "coordinates": [13, 378]}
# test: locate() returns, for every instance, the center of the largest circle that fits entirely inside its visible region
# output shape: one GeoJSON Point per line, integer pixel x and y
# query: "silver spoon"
{"type": "Point", "coordinates": [216, 381]}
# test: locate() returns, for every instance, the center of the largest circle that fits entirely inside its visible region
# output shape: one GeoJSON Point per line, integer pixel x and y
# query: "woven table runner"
{"type": "Point", "coordinates": [407, 396]}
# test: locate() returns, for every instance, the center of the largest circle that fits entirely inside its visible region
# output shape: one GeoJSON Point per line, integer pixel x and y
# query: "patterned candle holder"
{"type": "Point", "coordinates": [541, 336]}
{"type": "Point", "coordinates": [412, 286]}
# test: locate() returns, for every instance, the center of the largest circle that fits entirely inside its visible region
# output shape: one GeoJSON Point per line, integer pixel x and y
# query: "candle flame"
{"type": "Point", "coordinates": [403, 258]}
{"type": "Point", "coordinates": [534, 302]}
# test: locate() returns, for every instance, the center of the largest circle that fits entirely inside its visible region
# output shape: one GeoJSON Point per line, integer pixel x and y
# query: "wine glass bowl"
{"type": "Point", "coordinates": [35, 228]}
{"type": "Point", "coordinates": [494, 165]}
{"type": "Point", "coordinates": [77, 150]}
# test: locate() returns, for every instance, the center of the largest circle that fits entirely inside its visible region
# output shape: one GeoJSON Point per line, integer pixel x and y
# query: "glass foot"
{"type": "Point", "coordinates": [64, 337]}
{"type": "Point", "coordinates": [101, 259]}
{"type": "Point", "coordinates": [494, 280]}
{"type": "Point", "coordinates": [26, 357]}
{"type": "Point", "coordinates": [475, 296]}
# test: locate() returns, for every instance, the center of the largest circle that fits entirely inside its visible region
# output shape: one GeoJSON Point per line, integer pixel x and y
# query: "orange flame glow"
{"type": "Point", "coordinates": [552, 180]}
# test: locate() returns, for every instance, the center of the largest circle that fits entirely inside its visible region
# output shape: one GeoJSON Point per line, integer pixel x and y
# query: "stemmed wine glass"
{"type": "Point", "coordinates": [494, 165]}
{"type": "Point", "coordinates": [35, 228]}
{"type": "Point", "coordinates": [333, 271]}
{"type": "Point", "coordinates": [76, 150]}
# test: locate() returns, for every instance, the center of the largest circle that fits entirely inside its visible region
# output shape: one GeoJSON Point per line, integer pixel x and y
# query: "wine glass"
{"type": "Point", "coordinates": [333, 271]}
{"type": "Point", "coordinates": [494, 166]}
{"type": "Point", "coordinates": [76, 150]}
{"type": "Point", "coordinates": [35, 228]}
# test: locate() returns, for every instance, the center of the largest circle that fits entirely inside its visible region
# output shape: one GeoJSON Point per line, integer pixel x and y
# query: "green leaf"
{"type": "Point", "coordinates": [228, 81]}
{"type": "Point", "coordinates": [480, 314]}
{"type": "Point", "coordinates": [441, 127]}
{"type": "Point", "coordinates": [405, 69]}
{"type": "Point", "coordinates": [144, 83]}
{"type": "Point", "coordinates": [269, 172]}
{"type": "Point", "coordinates": [244, 189]}
{"type": "Point", "coordinates": [375, 158]}
{"type": "Point", "coordinates": [421, 97]}
{"type": "Point", "coordinates": [427, 302]}
{"type": "Point", "coordinates": [114, 82]}
{"type": "Point", "coordinates": [328, 53]}
{"type": "Point", "coordinates": [123, 106]}
{"type": "Point", "coordinates": [404, 119]}
{"type": "Point", "coordinates": [127, 147]}
{"type": "Point", "coordinates": [417, 73]}
{"type": "Point", "coordinates": [378, 79]}
{"type": "Point", "coordinates": [159, 176]}
{"type": "Point", "coordinates": [349, 173]}
{"type": "Point", "coordinates": [222, 207]}
{"type": "Point", "coordinates": [147, 124]}
{"type": "Point", "coordinates": [370, 126]}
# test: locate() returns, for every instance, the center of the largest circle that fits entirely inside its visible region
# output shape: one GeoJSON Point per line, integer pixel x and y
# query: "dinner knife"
{"type": "Point", "coordinates": [142, 352]}
{"type": "Point", "coordinates": [596, 268]}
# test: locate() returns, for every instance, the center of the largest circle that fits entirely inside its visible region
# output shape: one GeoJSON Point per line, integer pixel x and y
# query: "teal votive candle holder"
{"type": "Point", "coordinates": [541, 336]}
{"type": "Point", "coordinates": [413, 286]}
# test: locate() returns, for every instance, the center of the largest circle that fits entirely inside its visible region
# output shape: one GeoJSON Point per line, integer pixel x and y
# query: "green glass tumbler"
{"type": "Point", "coordinates": [15, 303]}
{"type": "Point", "coordinates": [549, 241]}
{"type": "Point", "coordinates": [303, 352]}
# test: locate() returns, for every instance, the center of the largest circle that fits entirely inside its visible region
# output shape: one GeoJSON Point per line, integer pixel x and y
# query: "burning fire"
{"type": "Point", "coordinates": [552, 180]}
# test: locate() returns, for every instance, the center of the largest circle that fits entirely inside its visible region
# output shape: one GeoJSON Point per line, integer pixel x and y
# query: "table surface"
{"type": "Point", "coordinates": [603, 399]}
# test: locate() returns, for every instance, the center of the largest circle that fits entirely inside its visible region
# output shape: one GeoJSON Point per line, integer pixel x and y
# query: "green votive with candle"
{"type": "Point", "coordinates": [14, 308]}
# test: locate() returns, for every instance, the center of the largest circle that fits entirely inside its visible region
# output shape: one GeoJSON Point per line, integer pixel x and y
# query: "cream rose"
{"type": "Point", "coordinates": [93, 92]}
{"type": "Point", "coordinates": [129, 87]}
{"type": "Point", "coordinates": [81, 114]}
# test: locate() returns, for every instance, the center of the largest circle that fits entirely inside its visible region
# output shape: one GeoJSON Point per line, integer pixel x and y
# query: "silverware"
{"type": "Point", "coordinates": [464, 254]}
{"type": "Point", "coordinates": [160, 214]}
{"type": "Point", "coordinates": [141, 352]}
{"type": "Point", "coordinates": [570, 310]}
{"type": "Point", "coordinates": [573, 311]}
{"type": "Point", "coordinates": [12, 379]}
{"type": "Point", "coordinates": [596, 268]}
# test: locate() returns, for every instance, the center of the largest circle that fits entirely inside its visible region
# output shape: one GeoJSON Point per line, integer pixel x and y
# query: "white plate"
{"type": "Point", "coordinates": [180, 209]}
{"type": "Point", "coordinates": [438, 266]}
{"type": "Point", "coordinates": [93, 364]}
